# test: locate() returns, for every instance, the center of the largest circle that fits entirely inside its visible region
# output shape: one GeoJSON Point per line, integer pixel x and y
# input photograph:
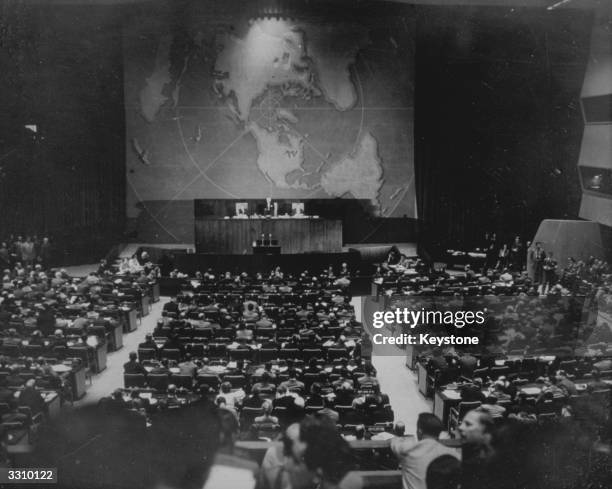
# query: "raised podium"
{"type": "Point", "coordinates": [236, 236]}
{"type": "Point", "coordinates": [266, 247]}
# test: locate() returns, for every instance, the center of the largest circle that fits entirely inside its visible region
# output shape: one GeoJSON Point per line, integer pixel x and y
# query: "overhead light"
{"type": "Point", "coordinates": [558, 4]}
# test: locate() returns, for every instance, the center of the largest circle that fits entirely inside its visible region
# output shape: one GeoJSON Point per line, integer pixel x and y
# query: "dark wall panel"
{"type": "Point", "coordinates": [67, 179]}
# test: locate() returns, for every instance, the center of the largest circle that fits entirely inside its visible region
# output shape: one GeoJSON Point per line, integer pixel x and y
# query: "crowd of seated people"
{"type": "Point", "coordinates": [50, 326]}
{"type": "Point", "coordinates": [272, 349]}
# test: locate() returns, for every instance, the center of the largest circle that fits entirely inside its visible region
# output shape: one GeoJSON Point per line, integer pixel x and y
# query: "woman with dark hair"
{"type": "Point", "coordinates": [327, 455]}
{"type": "Point", "coordinates": [444, 472]}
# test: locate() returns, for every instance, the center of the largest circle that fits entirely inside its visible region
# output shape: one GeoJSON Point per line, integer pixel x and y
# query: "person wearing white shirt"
{"type": "Point", "coordinates": [415, 455]}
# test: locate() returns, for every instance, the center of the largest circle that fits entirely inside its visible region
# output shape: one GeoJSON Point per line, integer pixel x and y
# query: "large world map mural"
{"type": "Point", "coordinates": [277, 108]}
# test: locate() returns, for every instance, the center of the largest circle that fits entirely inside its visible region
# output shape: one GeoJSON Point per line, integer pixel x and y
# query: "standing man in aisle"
{"type": "Point", "coordinates": [415, 455]}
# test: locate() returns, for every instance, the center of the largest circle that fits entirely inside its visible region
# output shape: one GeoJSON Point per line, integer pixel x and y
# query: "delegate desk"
{"type": "Point", "coordinates": [76, 376]}
{"type": "Point", "coordinates": [446, 398]}
{"type": "Point", "coordinates": [294, 235]}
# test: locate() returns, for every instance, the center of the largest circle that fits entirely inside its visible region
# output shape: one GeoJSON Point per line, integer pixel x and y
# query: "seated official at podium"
{"type": "Point", "coordinates": [297, 209]}
{"type": "Point", "coordinates": [242, 210]}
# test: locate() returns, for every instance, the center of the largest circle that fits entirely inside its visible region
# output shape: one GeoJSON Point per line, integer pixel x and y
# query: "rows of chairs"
{"type": "Point", "coordinates": [220, 351]}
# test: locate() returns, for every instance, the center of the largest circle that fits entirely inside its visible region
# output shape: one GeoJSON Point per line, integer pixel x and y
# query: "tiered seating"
{"type": "Point", "coordinates": [300, 322]}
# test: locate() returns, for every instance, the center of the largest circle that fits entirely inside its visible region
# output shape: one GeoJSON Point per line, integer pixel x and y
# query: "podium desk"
{"type": "Point", "coordinates": [155, 292]}
{"type": "Point", "coordinates": [145, 305]}
{"type": "Point", "coordinates": [116, 336]}
{"type": "Point", "coordinates": [130, 320]}
{"type": "Point", "coordinates": [234, 236]}
{"type": "Point", "coordinates": [99, 357]}
{"type": "Point", "coordinates": [77, 380]}
{"type": "Point", "coordinates": [266, 250]}
{"type": "Point", "coordinates": [52, 403]}
{"type": "Point", "coordinates": [422, 378]}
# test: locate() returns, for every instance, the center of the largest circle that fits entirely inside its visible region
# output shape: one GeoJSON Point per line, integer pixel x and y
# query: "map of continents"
{"type": "Point", "coordinates": [273, 62]}
{"type": "Point", "coordinates": [315, 100]}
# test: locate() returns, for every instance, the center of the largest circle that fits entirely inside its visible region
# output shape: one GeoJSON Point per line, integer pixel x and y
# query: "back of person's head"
{"type": "Point", "coordinates": [133, 356]}
{"type": "Point", "coordinates": [265, 377]}
{"type": "Point", "coordinates": [226, 387]}
{"type": "Point", "coordinates": [399, 428]}
{"type": "Point", "coordinates": [443, 472]}
{"type": "Point", "coordinates": [315, 389]}
{"type": "Point", "coordinates": [266, 407]}
{"type": "Point", "coordinates": [429, 425]}
{"type": "Point", "coordinates": [326, 451]}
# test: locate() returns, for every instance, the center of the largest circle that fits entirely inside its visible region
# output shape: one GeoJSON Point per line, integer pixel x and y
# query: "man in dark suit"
{"type": "Point", "coordinates": [172, 306]}
{"type": "Point", "coordinates": [437, 361]}
{"type": "Point", "coordinates": [31, 398]}
{"type": "Point", "coordinates": [538, 256]}
{"type": "Point", "coordinates": [46, 321]}
{"type": "Point", "coordinates": [148, 342]}
{"type": "Point", "coordinates": [133, 366]}
{"type": "Point", "coordinates": [468, 364]}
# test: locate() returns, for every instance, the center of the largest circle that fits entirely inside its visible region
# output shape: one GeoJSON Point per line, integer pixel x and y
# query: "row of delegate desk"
{"type": "Point", "coordinates": [113, 321]}
{"type": "Point", "coordinates": [448, 397]}
{"type": "Point", "coordinates": [108, 328]}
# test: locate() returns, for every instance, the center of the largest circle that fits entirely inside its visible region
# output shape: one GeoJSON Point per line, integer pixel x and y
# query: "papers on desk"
{"type": "Point", "coordinates": [547, 358]}
{"type": "Point", "coordinates": [531, 391]}
{"type": "Point", "coordinates": [451, 394]}
{"type": "Point", "coordinates": [61, 368]}
{"type": "Point", "coordinates": [383, 435]}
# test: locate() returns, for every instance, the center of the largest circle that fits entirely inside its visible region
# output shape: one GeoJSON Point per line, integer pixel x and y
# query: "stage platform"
{"type": "Point", "coordinates": [361, 258]}
{"type": "Point", "coordinates": [408, 249]}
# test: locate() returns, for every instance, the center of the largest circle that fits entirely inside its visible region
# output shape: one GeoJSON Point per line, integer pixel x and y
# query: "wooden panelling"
{"type": "Point", "coordinates": [236, 236]}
